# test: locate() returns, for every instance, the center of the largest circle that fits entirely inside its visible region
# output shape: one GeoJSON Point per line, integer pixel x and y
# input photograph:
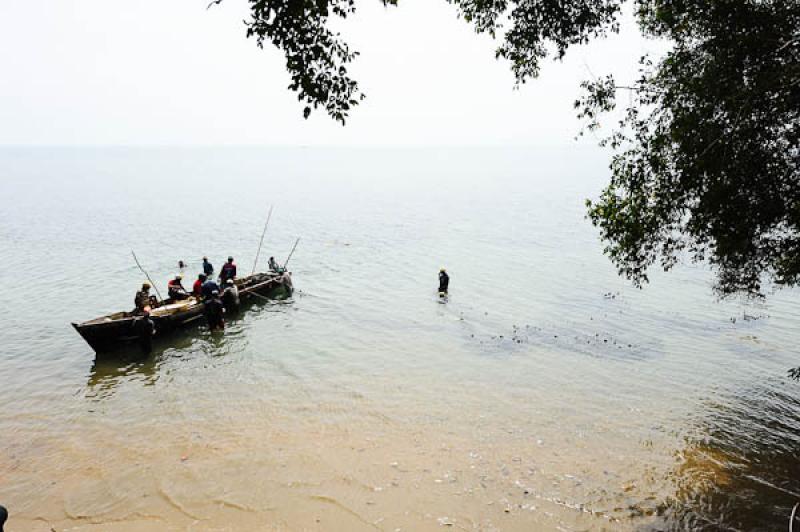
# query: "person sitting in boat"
{"type": "Point", "coordinates": [215, 312]}
{"type": "Point", "coordinates": [208, 288]}
{"type": "Point", "coordinates": [273, 266]}
{"type": "Point", "coordinates": [197, 287]}
{"type": "Point", "coordinates": [228, 271]}
{"type": "Point", "coordinates": [175, 288]}
{"type": "Point", "coordinates": [143, 299]}
{"type": "Point", "coordinates": [444, 281]}
{"type": "Point", "coordinates": [208, 268]}
{"type": "Point", "coordinates": [230, 296]}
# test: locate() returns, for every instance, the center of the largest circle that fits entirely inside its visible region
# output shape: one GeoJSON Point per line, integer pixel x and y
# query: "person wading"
{"type": "Point", "coordinates": [145, 328]}
{"type": "Point", "coordinates": [208, 268]}
{"type": "Point", "coordinates": [230, 296]}
{"type": "Point", "coordinates": [208, 288]}
{"type": "Point", "coordinates": [228, 271]}
{"type": "Point", "coordinates": [444, 282]}
{"type": "Point", "coordinates": [215, 312]}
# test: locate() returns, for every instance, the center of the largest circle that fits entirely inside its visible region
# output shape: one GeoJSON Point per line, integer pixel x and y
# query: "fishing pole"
{"type": "Point", "coordinates": [292, 253]}
{"type": "Point", "coordinates": [264, 232]}
{"type": "Point", "coordinates": [146, 275]}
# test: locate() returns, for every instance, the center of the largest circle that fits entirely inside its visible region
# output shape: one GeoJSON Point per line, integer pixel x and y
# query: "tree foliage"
{"type": "Point", "coordinates": [706, 161]}
{"type": "Point", "coordinates": [706, 154]}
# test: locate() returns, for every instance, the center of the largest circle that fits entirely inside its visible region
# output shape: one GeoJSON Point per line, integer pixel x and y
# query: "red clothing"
{"type": "Point", "coordinates": [228, 271]}
{"type": "Point", "coordinates": [197, 288]}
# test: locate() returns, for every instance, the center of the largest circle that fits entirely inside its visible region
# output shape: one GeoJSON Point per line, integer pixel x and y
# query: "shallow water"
{"type": "Point", "coordinates": [546, 394]}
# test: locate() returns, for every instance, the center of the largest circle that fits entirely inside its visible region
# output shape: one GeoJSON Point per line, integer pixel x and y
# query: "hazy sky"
{"type": "Point", "coordinates": [172, 72]}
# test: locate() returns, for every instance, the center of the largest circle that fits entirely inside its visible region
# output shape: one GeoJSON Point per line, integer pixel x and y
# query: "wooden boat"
{"type": "Point", "coordinates": [107, 332]}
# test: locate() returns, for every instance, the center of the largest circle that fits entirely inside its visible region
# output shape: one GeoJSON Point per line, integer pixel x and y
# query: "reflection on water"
{"type": "Point", "coordinates": [546, 394]}
{"type": "Point", "coordinates": [128, 363]}
{"type": "Point", "coordinates": [740, 471]}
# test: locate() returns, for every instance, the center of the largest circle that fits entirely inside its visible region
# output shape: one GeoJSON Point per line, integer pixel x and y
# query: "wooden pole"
{"type": "Point", "coordinates": [264, 232]}
{"type": "Point", "coordinates": [148, 276]}
{"type": "Point", "coordinates": [292, 253]}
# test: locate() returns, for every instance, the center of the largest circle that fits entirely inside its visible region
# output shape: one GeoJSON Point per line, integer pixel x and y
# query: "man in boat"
{"type": "Point", "coordinates": [215, 312]}
{"type": "Point", "coordinates": [175, 288]}
{"type": "Point", "coordinates": [143, 299]}
{"type": "Point", "coordinates": [444, 282]}
{"type": "Point", "coordinates": [145, 329]}
{"type": "Point", "coordinates": [208, 288]}
{"type": "Point", "coordinates": [273, 265]}
{"type": "Point", "coordinates": [197, 287]}
{"type": "Point", "coordinates": [228, 271]}
{"type": "Point", "coordinates": [230, 296]}
{"type": "Point", "coordinates": [208, 268]}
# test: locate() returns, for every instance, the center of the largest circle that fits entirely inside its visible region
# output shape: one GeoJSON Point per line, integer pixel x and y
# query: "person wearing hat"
{"type": "Point", "coordinates": [175, 289]}
{"type": "Point", "coordinates": [230, 295]}
{"type": "Point", "coordinates": [208, 268]}
{"type": "Point", "coordinates": [142, 299]}
{"type": "Point", "coordinates": [228, 271]}
{"type": "Point", "coordinates": [444, 281]}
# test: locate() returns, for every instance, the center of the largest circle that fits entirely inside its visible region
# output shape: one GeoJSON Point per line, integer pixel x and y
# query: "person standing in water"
{"type": "Point", "coordinates": [230, 296]}
{"type": "Point", "coordinates": [444, 281]}
{"type": "Point", "coordinates": [145, 328]}
{"type": "Point", "coordinates": [208, 268]}
{"type": "Point", "coordinates": [228, 271]}
{"type": "Point", "coordinates": [215, 312]}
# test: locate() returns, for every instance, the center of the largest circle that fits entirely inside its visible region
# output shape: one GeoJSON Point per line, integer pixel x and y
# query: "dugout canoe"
{"type": "Point", "coordinates": [114, 330]}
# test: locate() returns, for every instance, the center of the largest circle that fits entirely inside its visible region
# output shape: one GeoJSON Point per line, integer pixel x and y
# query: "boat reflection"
{"type": "Point", "coordinates": [129, 363]}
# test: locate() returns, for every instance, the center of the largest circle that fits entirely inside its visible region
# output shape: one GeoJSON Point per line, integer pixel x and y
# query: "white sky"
{"type": "Point", "coordinates": [171, 72]}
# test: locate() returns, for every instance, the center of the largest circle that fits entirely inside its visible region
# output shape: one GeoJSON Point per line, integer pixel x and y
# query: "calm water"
{"type": "Point", "coordinates": [547, 394]}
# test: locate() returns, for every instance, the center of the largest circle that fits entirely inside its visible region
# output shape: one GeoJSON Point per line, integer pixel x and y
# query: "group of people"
{"type": "Point", "coordinates": [216, 299]}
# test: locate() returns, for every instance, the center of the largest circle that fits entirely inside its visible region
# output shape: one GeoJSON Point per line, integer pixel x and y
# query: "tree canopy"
{"type": "Point", "coordinates": [705, 162]}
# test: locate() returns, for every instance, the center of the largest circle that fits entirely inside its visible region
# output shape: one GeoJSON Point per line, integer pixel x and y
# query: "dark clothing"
{"type": "Point", "coordinates": [197, 288]}
{"type": "Point", "coordinates": [273, 265]}
{"type": "Point", "coordinates": [215, 312]}
{"type": "Point", "coordinates": [145, 329]}
{"type": "Point", "coordinates": [208, 289]}
{"type": "Point", "coordinates": [208, 269]}
{"type": "Point", "coordinates": [176, 290]}
{"type": "Point", "coordinates": [141, 300]}
{"type": "Point", "coordinates": [444, 282]}
{"type": "Point", "coordinates": [228, 271]}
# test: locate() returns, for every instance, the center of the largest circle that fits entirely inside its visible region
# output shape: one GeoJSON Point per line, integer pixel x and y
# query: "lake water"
{"type": "Point", "coordinates": [546, 394]}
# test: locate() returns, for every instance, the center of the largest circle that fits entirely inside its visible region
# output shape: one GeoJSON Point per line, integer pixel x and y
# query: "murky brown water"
{"type": "Point", "coordinates": [546, 395]}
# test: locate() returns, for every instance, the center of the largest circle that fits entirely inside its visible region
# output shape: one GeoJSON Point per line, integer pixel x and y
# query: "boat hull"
{"type": "Point", "coordinates": [115, 330]}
